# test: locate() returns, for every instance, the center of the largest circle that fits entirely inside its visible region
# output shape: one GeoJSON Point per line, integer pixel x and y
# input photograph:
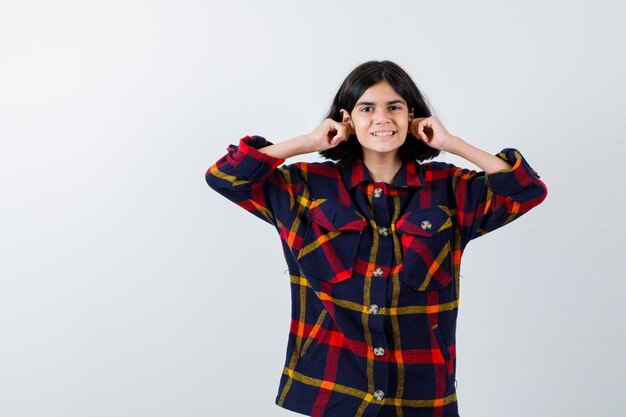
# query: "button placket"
{"type": "Point", "coordinates": [382, 216]}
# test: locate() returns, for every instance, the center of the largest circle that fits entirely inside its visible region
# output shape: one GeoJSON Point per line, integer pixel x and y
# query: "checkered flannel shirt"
{"type": "Point", "coordinates": [374, 272]}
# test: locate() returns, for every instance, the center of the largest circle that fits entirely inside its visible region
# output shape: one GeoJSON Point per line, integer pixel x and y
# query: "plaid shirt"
{"type": "Point", "coordinates": [374, 272]}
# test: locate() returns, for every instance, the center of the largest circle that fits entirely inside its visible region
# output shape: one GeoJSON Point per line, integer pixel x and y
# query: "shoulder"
{"type": "Point", "coordinates": [305, 169]}
{"type": "Point", "coordinates": [438, 169]}
{"type": "Point", "coordinates": [444, 174]}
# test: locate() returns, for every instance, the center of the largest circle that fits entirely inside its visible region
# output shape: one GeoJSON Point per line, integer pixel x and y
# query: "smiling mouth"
{"type": "Point", "coordinates": [385, 134]}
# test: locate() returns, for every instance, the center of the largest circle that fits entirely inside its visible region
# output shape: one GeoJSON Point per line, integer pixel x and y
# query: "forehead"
{"type": "Point", "coordinates": [380, 92]}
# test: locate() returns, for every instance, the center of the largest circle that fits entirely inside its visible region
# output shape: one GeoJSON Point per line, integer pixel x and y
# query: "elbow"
{"type": "Point", "coordinates": [542, 190]}
{"type": "Point", "coordinates": [535, 195]}
{"type": "Point", "coordinates": [211, 179]}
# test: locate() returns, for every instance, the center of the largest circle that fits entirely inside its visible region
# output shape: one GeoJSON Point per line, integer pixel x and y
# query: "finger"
{"type": "Point", "coordinates": [331, 126]}
{"type": "Point", "coordinates": [415, 127]}
{"type": "Point", "coordinates": [342, 133]}
{"type": "Point", "coordinates": [421, 132]}
{"type": "Point", "coordinates": [337, 130]}
{"type": "Point", "coordinates": [349, 129]}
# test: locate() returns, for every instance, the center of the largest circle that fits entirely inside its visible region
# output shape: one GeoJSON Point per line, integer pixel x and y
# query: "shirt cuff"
{"type": "Point", "coordinates": [511, 181]}
{"type": "Point", "coordinates": [252, 164]}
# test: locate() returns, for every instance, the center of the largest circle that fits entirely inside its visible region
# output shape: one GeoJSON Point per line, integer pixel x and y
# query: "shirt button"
{"type": "Point", "coordinates": [378, 192]}
{"type": "Point", "coordinates": [378, 272]}
{"type": "Point", "coordinates": [373, 309]}
{"type": "Point", "coordinates": [379, 395]}
{"type": "Point", "coordinates": [378, 351]}
{"type": "Point", "coordinates": [383, 231]}
{"type": "Point", "coordinates": [426, 225]}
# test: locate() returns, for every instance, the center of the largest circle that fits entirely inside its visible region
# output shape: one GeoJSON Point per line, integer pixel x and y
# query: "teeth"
{"type": "Point", "coordinates": [383, 134]}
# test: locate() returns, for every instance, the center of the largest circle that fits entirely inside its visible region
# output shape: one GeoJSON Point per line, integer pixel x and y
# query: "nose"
{"type": "Point", "coordinates": [381, 115]}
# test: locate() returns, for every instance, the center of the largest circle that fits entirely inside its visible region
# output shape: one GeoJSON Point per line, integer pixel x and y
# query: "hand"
{"type": "Point", "coordinates": [431, 132]}
{"type": "Point", "coordinates": [328, 134]}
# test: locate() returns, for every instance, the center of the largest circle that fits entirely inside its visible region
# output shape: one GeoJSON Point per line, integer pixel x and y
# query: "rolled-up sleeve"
{"type": "Point", "coordinates": [249, 178]}
{"type": "Point", "coordinates": [486, 202]}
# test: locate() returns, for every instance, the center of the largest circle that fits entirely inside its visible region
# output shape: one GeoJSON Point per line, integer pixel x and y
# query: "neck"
{"type": "Point", "coordinates": [382, 167]}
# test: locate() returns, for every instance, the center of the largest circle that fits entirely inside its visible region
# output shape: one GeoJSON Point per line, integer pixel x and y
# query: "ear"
{"type": "Point", "coordinates": [411, 115]}
{"type": "Point", "coordinates": [345, 116]}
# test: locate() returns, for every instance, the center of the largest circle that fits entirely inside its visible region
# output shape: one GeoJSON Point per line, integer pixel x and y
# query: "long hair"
{"type": "Point", "coordinates": [353, 87]}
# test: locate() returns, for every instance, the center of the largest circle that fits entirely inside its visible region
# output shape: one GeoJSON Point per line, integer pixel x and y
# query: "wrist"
{"type": "Point", "coordinates": [299, 145]}
{"type": "Point", "coordinates": [302, 144]}
{"type": "Point", "coordinates": [454, 145]}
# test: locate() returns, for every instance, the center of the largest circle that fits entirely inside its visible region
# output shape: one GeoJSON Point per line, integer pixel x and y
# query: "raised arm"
{"type": "Point", "coordinates": [325, 136]}
{"type": "Point", "coordinates": [249, 173]}
{"type": "Point", "coordinates": [435, 135]}
{"type": "Point", "coordinates": [506, 189]}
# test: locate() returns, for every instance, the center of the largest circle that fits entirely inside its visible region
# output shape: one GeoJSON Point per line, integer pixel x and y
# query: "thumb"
{"type": "Point", "coordinates": [343, 132]}
{"type": "Point", "coordinates": [423, 124]}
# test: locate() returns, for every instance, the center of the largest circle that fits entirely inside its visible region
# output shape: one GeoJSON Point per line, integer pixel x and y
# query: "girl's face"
{"type": "Point", "coordinates": [380, 119]}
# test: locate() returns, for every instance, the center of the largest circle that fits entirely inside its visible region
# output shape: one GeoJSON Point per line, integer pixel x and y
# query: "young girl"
{"type": "Point", "coordinates": [373, 243]}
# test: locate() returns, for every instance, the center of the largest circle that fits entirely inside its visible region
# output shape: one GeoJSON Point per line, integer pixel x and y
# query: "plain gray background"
{"type": "Point", "coordinates": [129, 288]}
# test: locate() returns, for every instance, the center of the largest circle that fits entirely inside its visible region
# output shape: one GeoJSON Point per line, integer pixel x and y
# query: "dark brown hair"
{"type": "Point", "coordinates": [353, 87]}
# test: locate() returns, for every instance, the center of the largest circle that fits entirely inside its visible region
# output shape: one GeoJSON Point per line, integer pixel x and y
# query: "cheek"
{"type": "Point", "coordinates": [360, 123]}
{"type": "Point", "coordinates": [361, 129]}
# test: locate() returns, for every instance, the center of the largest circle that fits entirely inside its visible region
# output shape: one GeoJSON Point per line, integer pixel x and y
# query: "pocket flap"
{"type": "Point", "coordinates": [332, 215]}
{"type": "Point", "coordinates": [424, 222]}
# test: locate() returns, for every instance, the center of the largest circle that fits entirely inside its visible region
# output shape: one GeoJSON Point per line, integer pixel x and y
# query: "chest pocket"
{"type": "Point", "coordinates": [426, 236]}
{"type": "Point", "coordinates": [331, 241]}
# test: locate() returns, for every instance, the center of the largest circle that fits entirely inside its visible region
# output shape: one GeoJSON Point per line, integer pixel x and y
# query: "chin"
{"type": "Point", "coordinates": [383, 150]}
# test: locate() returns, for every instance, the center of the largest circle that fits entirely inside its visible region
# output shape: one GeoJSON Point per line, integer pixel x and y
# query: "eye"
{"type": "Point", "coordinates": [366, 108]}
{"type": "Point", "coordinates": [395, 107]}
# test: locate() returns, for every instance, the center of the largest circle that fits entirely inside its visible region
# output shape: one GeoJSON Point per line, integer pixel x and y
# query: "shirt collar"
{"type": "Point", "coordinates": [410, 175]}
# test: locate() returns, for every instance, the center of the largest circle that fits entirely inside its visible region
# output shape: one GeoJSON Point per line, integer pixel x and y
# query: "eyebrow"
{"type": "Point", "coordinates": [371, 103]}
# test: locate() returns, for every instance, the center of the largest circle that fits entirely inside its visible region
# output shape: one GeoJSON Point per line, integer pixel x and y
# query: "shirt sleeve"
{"type": "Point", "coordinates": [486, 202]}
{"type": "Point", "coordinates": [253, 180]}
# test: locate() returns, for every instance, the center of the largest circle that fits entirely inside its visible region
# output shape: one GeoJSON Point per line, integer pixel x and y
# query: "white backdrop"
{"type": "Point", "coordinates": [129, 288]}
